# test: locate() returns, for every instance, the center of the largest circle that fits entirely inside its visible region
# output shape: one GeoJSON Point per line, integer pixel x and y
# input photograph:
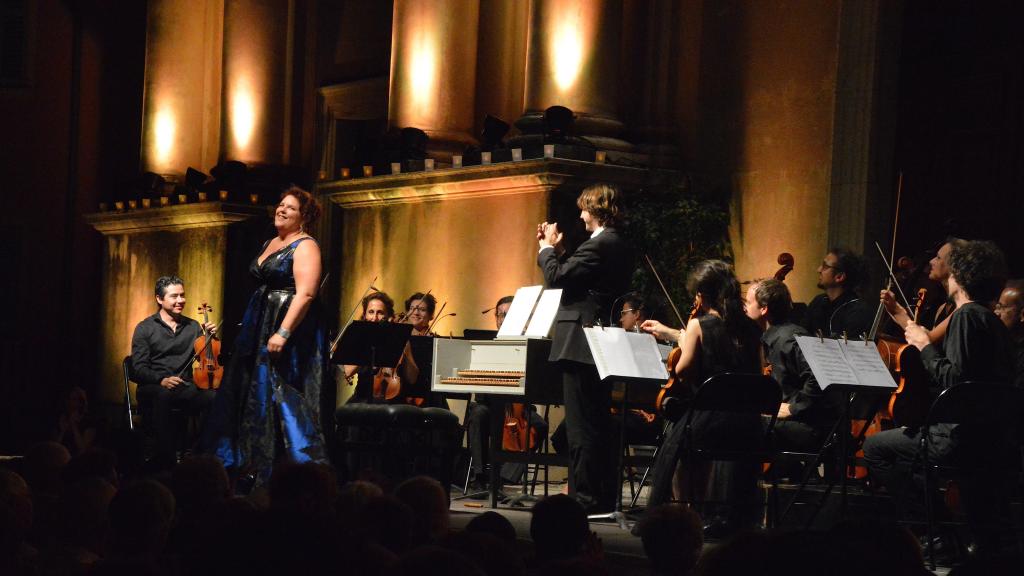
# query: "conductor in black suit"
{"type": "Point", "coordinates": [591, 278]}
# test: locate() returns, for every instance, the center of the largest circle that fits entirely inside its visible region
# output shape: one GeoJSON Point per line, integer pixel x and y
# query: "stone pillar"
{"type": "Point", "coordinates": [181, 110]}
{"type": "Point", "coordinates": [652, 52]}
{"type": "Point", "coordinates": [433, 71]}
{"type": "Point", "coordinates": [573, 57]}
{"type": "Point", "coordinates": [501, 60]}
{"type": "Point", "coordinates": [257, 75]}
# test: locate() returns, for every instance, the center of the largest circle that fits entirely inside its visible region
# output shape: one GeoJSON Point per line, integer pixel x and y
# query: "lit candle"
{"type": "Point", "coordinates": [428, 164]}
{"type": "Point", "coordinates": [146, 202]}
{"type": "Point", "coordinates": [456, 161]}
{"type": "Point", "coordinates": [254, 198]}
{"type": "Point", "coordinates": [202, 196]}
{"type": "Point", "coordinates": [367, 171]}
{"type": "Point", "coordinates": [599, 156]}
{"type": "Point", "coordinates": [133, 204]}
{"type": "Point", "coordinates": [346, 172]}
{"type": "Point", "coordinates": [119, 206]}
{"type": "Point", "coordinates": [223, 195]}
{"type": "Point", "coordinates": [549, 150]}
{"type": "Point", "coordinates": [165, 200]}
{"type": "Point", "coordinates": [485, 157]}
{"type": "Point", "coordinates": [396, 167]}
{"type": "Point", "coordinates": [517, 154]}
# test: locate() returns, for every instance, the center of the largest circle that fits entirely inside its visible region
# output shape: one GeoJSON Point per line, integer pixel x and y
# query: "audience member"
{"type": "Point", "coordinates": [559, 529]}
{"type": "Point", "coordinates": [673, 537]}
{"type": "Point", "coordinates": [429, 503]}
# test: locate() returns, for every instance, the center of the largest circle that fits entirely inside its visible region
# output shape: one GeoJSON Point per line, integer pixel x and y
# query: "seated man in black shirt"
{"type": "Point", "coordinates": [804, 417]}
{"type": "Point", "coordinates": [976, 348]}
{"type": "Point", "coordinates": [840, 310]}
{"type": "Point", "coordinates": [162, 347]}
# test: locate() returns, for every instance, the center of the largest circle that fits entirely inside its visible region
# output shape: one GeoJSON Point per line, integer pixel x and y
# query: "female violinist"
{"type": "Point", "coordinates": [721, 338]}
{"type": "Point", "coordinates": [379, 307]}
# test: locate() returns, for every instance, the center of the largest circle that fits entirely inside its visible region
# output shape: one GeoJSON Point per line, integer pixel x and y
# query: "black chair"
{"type": "Point", "coordinates": [993, 415]}
{"type": "Point", "coordinates": [129, 409]}
{"type": "Point", "coordinates": [754, 395]}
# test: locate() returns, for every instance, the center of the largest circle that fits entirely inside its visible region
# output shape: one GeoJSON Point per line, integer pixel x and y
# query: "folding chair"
{"type": "Point", "coordinates": [754, 395]}
{"type": "Point", "coordinates": [996, 409]}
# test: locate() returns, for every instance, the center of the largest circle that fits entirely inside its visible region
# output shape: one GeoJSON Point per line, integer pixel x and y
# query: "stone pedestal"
{"type": "Point", "coordinates": [209, 245]}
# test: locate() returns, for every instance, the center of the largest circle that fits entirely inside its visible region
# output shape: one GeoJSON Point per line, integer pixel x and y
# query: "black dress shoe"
{"type": "Point", "coordinates": [719, 529]}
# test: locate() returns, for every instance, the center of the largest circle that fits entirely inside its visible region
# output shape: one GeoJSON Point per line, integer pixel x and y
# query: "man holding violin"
{"type": "Point", "coordinates": [161, 365]}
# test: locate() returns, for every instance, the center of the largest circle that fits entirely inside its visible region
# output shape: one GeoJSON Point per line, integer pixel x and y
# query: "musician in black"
{"type": "Point", "coordinates": [804, 417]}
{"type": "Point", "coordinates": [478, 425]}
{"type": "Point", "coordinates": [976, 348]}
{"type": "Point", "coordinates": [378, 307]}
{"type": "Point", "coordinates": [162, 346]}
{"type": "Point", "coordinates": [1010, 309]}
{"type": "Point", "coordinates": [590, 278]}
{"type": "Point", "coordinates": [840, 309]}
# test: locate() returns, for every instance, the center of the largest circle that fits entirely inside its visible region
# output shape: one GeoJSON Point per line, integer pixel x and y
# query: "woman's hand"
{"type": "Point", "coordinates": [275, 345]}
{"type": "Point", "coordinates": [889, 301]}
{"type": "Point", "coordinates": [659, 330]}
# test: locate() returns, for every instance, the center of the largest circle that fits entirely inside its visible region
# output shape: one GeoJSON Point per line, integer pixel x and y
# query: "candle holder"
{"type": "Point", "coordinates": [396, 167]}
{"type": "Point", "coordinates": [165, 200]}
{"type": "Point", "coordinates": [346, 172]}
{"type": "Point", "coordinates": [485, 158]}
{"type": "Point", "coordinates": [104, 206]}
{"type": "Point", "coordinates": [201, 196]}
{"type": "Point", "coordinates": [133, 204]}
{"type": "Point", "coordinates": [147, 202]}
{"type": "Point", "coordinates": [457, 161]}
{"type": "Point", "coordinates": [254, 198]}
{"type": "Point", "coordinates": [367, 171]}
{"type": "Point", "coordinates": [517, 154]}
{"type": "Point", "coordinates": [119, 206]}
{"type": "Point", "coordinates": [223, 195]}
{"type": "Point", "coordinates": [182, 198]}
{"type": "Point", "coordinates": [549, 150]}
{"type": "Point", "coordinates": [428, 164]}
{"type": "Point", "coordinates": [599, 156]}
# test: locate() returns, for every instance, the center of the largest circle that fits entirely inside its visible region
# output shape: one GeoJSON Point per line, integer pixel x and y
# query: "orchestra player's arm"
{"type": "Point", "coordinates": [689, 347]}
{"type": "Point", "coordinates": [660, 331]}
{"type": "Point", "coordinates": [902, 318]}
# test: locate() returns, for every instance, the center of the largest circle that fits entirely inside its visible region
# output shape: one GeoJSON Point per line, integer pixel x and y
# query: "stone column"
{"type": "Point", "coordinates": [573, 57]}
{"type": "Point", "coordinates": [257, 74]}
{"type": "Point", "coordinates": [652, 52]}
{"type": "Point", "coordinates": [181, 110]}
{"type": "Point", "coordinates": [433, 71]}
{"type": "Point", "coordinates": [501, 60]}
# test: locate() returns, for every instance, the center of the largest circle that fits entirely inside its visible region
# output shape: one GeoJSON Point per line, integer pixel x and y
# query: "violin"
{"type": "Point", "coordinates": [207, 373]}
{"type": "Point", "coordinates": [673, 389]}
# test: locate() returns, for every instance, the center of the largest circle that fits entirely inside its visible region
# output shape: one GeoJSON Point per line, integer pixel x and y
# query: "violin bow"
{"type": "Point", "coordinates": [665, 291]}
{"type": "Point", "coordinates": [892, 278]}
{"type": "Point", "coordinates": [437, 317]}
{"type": "Point", "coordinates": [334, 343]}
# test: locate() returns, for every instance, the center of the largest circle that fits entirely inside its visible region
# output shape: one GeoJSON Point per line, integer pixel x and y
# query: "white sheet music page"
{"type": "Point", "coordinates": [625, 354]}
{"type": "Point", "coordinates": [519, 312]}
{"type": "Point", "coordinates": [867, 364]}
{"type": "Point", "coordinates": [544, 314]}
{"type": "Point", "coordinates": [827, 361]}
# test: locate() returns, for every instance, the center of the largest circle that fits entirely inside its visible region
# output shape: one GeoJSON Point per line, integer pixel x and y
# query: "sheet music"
{"type": "Point", "coordinates": [625, 354]}
{"type": "Point", "coordinates": [519, 312]}
{"type": "Point", "coordinates": [544, 314]}
{"type": "Point", "coordinates": [849, 363]}
{"type": "Point", "coordinates": [867, 364]}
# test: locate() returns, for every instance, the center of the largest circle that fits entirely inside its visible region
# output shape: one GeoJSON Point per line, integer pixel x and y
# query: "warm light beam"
{"type": "Point", "coordinates": [163, 137]}
{"type": "Point", "coordinates": [567, 50]}
{"type": "Point", "coordinates": [243, 116]}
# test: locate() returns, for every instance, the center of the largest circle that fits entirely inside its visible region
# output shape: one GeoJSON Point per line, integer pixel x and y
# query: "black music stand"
{"type": "Point", "coordinates": [373, 344]}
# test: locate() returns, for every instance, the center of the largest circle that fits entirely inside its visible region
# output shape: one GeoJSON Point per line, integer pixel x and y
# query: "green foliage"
{"type": "Point", "coordinates": [677, 224]}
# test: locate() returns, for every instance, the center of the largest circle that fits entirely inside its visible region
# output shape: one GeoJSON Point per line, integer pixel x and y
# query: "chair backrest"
{"type": "Point", "coordinates": [983, 403]}
{"type": "Point", "coordinates": [738, 392]}
{"type": "Point", "coordinates": [126, 367]}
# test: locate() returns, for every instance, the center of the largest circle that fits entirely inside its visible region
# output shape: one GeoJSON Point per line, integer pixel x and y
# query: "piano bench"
{"type": "Point", "coordinates": [392, 442]}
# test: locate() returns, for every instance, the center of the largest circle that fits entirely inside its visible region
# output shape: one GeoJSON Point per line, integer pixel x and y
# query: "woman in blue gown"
{"type": "Point", "coordinates": [268, 407]}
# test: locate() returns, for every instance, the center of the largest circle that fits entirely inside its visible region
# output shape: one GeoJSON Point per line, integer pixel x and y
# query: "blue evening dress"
{"type": "Point", "coordinates": [267, 411]}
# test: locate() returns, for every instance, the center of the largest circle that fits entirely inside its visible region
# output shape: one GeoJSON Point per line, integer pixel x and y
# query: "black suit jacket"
{"type": "Point", "coordinates": [591, 278]}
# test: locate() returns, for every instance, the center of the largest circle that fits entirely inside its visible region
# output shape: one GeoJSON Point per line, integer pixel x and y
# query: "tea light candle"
{"type": "Point", "coordinates": [549, 150]}
{"type": "Point", "coordinates": [517, 154]}
{"type": "Point", "coordinates": [599, 156]}
{"type": "Point", "coordinates": [223, 194]}
{"type": "Point", "coordinates": [396, 167]}
{"type": "Point", "coordinates": [254, 198]}
{"type": "Point", "coordinates": [346, 172]}
{"type": "Point", "coordinates": [165, 200]}
{"type": "Point", "coordinates": [367, 171]}
{"type": "Point", "coordinates": [485, 158]}
{"type": "Point", "coordinates": [133, 204]}
{"type": "Point", "coordinates": [146, 202]}
{"type": "Point", "coordinates": [428, 164]}
{"type": "Point", "coordinates": [202, 196]}
{"type": "Point", "coordinates": [456, 161]}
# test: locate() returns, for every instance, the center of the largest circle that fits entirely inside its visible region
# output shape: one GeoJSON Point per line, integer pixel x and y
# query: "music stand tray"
{"type": "Point", "coordinates": [372, 344]}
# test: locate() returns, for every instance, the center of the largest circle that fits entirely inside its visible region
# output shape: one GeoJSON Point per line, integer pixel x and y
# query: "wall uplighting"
{"type": "Point", "coordinates": [423, 74]}
{"type": "Point", "coordinates": [163, 138]}
{"type": "Point", "coordinates": [567, 50]}
{"type": "Point", "coordinates": [243, 115]}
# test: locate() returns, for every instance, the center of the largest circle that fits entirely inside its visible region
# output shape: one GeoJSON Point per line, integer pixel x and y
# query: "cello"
{"type": "Point", "coordinates": [207, 373]}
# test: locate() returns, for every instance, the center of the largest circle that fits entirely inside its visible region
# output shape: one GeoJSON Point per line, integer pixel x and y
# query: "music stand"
{"type": "Point", "coordinates": [372, 344]}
